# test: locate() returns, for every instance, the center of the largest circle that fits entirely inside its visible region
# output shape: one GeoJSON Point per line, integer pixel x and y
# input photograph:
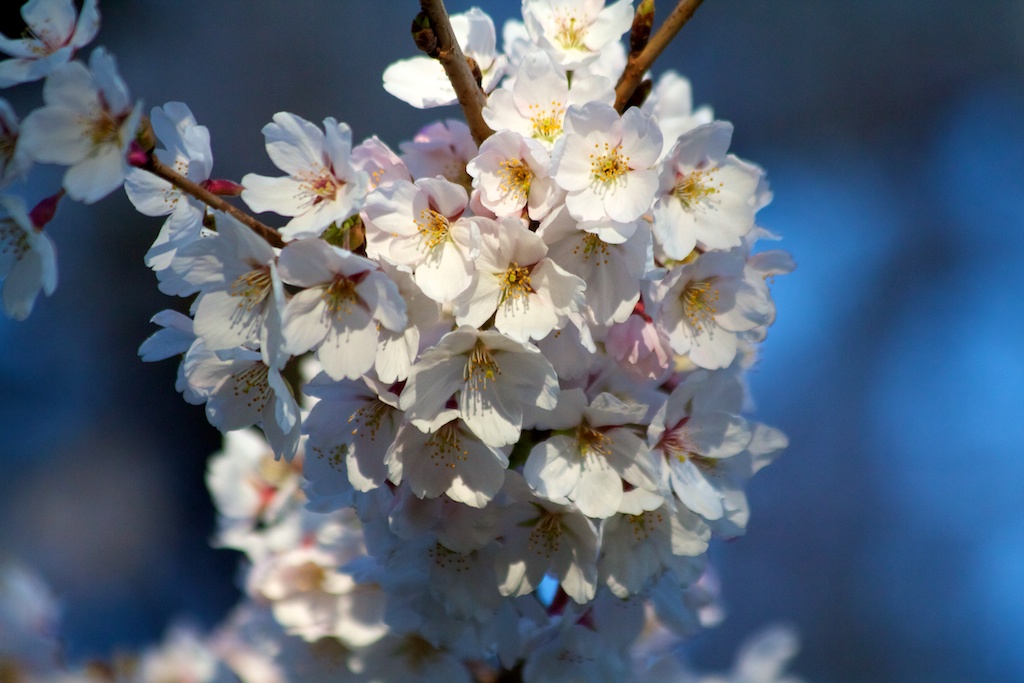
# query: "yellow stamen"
{"type": "Point", "coordinates": [433, 228]}
{"type": "Point", "coordinates": [515, 283]}
{"type": "Point", "coordinates": [699, 299]}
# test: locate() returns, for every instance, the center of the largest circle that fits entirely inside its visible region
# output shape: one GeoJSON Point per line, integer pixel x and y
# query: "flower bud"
{"type": "Point", "coordinates": [643, 22]}
{"type": "Point", "coordinates": [222, 188]}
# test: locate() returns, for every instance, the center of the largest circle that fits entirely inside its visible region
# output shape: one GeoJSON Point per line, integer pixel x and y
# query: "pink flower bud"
{"type": "Point", "coordinates": [223, 188]}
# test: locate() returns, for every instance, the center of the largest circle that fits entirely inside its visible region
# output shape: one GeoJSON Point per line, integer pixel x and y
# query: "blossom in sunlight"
{"type": "Point", "coordinates": [53, 35]}
{"type": "Point", "coordinates": [187, 151]}
{"type": "Point", "coordinates": [87, 124]}
{"type": "Point", "coordinates": [574, 32]}
{"type": "Point", "coordinates": [607, 163]}
{"type": "Point", "coordinates": [322, 186]}
{"type": "Point", "coordinates": [421, 81]}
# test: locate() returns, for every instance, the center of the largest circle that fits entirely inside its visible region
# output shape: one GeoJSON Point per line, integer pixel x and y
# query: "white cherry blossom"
{"type": "Point", "coordinates": [575, 32]}
{"type": "Point", "coordinates": [322, 186]}
{"type": "Point", "coordinates": [607, 163]}
{"type": "Point", "coordinates": [528, 294]}
{"type": "Point", "coordinates": [345, 298]}
{"type": "Point", "coordinates": [422, 82]}
{"type": "Point", "coordinates": [493, 376]}
{"type": "Point", "coordinates": [535, 104]}
{"type": "Point", "coordinates": [422, 226]}
{"type": "Point", "coordinates": [53, 35]}
{"type": "Point", "coordinates": [511, 174]}
{"type": "Point", "coordinates": [704, 304]}
{"type": "Point", "coordinates": [707, 197]}
{"type": "Point", "coordinates": [242, 297]}
{"type": "Point", "coordinates": [87, 124]}
{"type": "Point", "coordinates": [693, 430]}
{"type": "Point", "coordinates": [589, 466]}
{"type": "Point", "coordinates": [187, 151]}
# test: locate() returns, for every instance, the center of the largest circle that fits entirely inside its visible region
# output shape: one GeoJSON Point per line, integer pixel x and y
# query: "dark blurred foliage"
{"type": "Point", "coordinates": [891, 533]}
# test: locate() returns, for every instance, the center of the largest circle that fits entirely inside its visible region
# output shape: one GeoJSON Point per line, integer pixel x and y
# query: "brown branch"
{"type": "Point", "coordinates": [161, 170]}
{"type": "Point", "coordinates": [637, 65]}
{"type": "Point", "coordinates": [471, 97]}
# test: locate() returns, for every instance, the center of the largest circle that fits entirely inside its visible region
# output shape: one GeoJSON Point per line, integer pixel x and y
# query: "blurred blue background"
{"type": "Point", "coordinates": [890, 534]}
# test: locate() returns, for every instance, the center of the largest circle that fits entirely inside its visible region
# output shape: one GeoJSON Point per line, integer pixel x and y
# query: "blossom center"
{"type": "Point", "coordinates": [644, 524]}
{"type": "Point", "coordinates": [340, 296]}
{"type": "Point", "coordinates": [699, 299]}
{"type": "Point", "coordinates": [607, 163]}
{"type": "Point", "coordinates": [516, 177]}
{"type": "Point", "coordinates": [515, 282]}
{"type": "Point", "coordinates": [593, 246]}
{"type": "Point", "coordinates": [676, 442]}
{"type": "Point", "coordinates": [480, 368]}
{"type": "Point", "coordinates": [695, 187]}
{"type": "Point", "coordinates": [571, 31]}
{"type": "Point", "coordinates": [547, 123]}
{"type": "Point", "coordinates": [446, 558]}
{"type": "Point", "coordinates": [321, 188]}
{"type": "Point", "coordinates": [433, 228]}
{"type": "Point", "coordinates": [308, 577]}
{"type": "Point", "coordinates": [445, 446]}
{"type": "Point", "coordinates": [103, 127]}
{"type": "Point", "coordinates": [252, 287]}
{"type": "Point", "coordinates": [13, 240]}
{"type": "Point", "coordinates": [592, 441]}
{"type": "Point", "coordinates": [546, 535]}
{"type": "Point", "coordinates": [369, 417]}
{"type": "Point", "coordinates": [251, 384]}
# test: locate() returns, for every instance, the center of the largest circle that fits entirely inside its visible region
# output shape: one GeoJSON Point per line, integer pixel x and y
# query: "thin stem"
{"type": "Point", "coordinates": [471, 98]}
{"type": "Point", "coordinates": [637, 65]}
{"type": "Point", "coordinates": [161, 170]}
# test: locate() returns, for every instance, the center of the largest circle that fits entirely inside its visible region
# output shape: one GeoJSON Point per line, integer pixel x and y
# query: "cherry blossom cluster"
{"type": "Point", "coordinates": [498, 379]}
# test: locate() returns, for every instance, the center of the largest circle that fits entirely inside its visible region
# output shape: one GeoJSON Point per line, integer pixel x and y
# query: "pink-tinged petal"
{"type": "Point", "coordinates": [718, 435]}
{"type": "Point", "coordinates": [384, 302]}
{"type": "Point", "coordinates": [553, 468]}
{"type": "Point", "coordinates": [104, 70]}
{"type": "Point", "coordinates": [445, 197]}
{"type": "Point", "coordinates": [295, 145]}
{"type": "Point", "coordinates": [55, 135]}
{"type": "Point", "coordinates": [88, 24]}
{"type": "Point", "coordinates": [444, 274]}
{"type": "Point", "coordinates": [280, 195]}
{"type": "Point", "coordinates": [633, 198]}
{"type": "Point", "coordinates": [308, 262]}
{"type": "Point", "coordinates": [224, 322]}
{"type": "Point", "coordinates": [72, 86]}
{"type": "Point", "coordinates": [485, 412]}
{"type": "Point", "coordinates": [598, 493]}
{"type": "Point", "coordinates": [51, 20]}
{"type": "Point", "coordinates": [31, 68]}
{"type": "Point", "coordinates": [350, 347]}
{"type": "Point", "coordinates": [419, 81]}
{"type": "Point", "coordinates": [305, 320]}
{"type": "Point", "coordinates": [713, 348]}
{"type": "Point", "coordinates": [150, 195]}
{"type": "Point", "coordinates": [286, 410]}
{"type": "Point", "coordinates": [96, 176]}
{"type": "Point", "coordinates": [694, 490]}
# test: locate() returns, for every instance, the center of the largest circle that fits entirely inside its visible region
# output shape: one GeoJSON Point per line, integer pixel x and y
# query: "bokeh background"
{"type": "Point", "coordinates": [890, 534]}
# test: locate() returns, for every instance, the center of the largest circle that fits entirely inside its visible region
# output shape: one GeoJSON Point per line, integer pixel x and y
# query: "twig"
{"type": "Point", "coordinates": [637, 65]}
{"type": "Point", "coordinates": [471, 97]}
{"type": "Point", "coordinates": [161, 170]}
